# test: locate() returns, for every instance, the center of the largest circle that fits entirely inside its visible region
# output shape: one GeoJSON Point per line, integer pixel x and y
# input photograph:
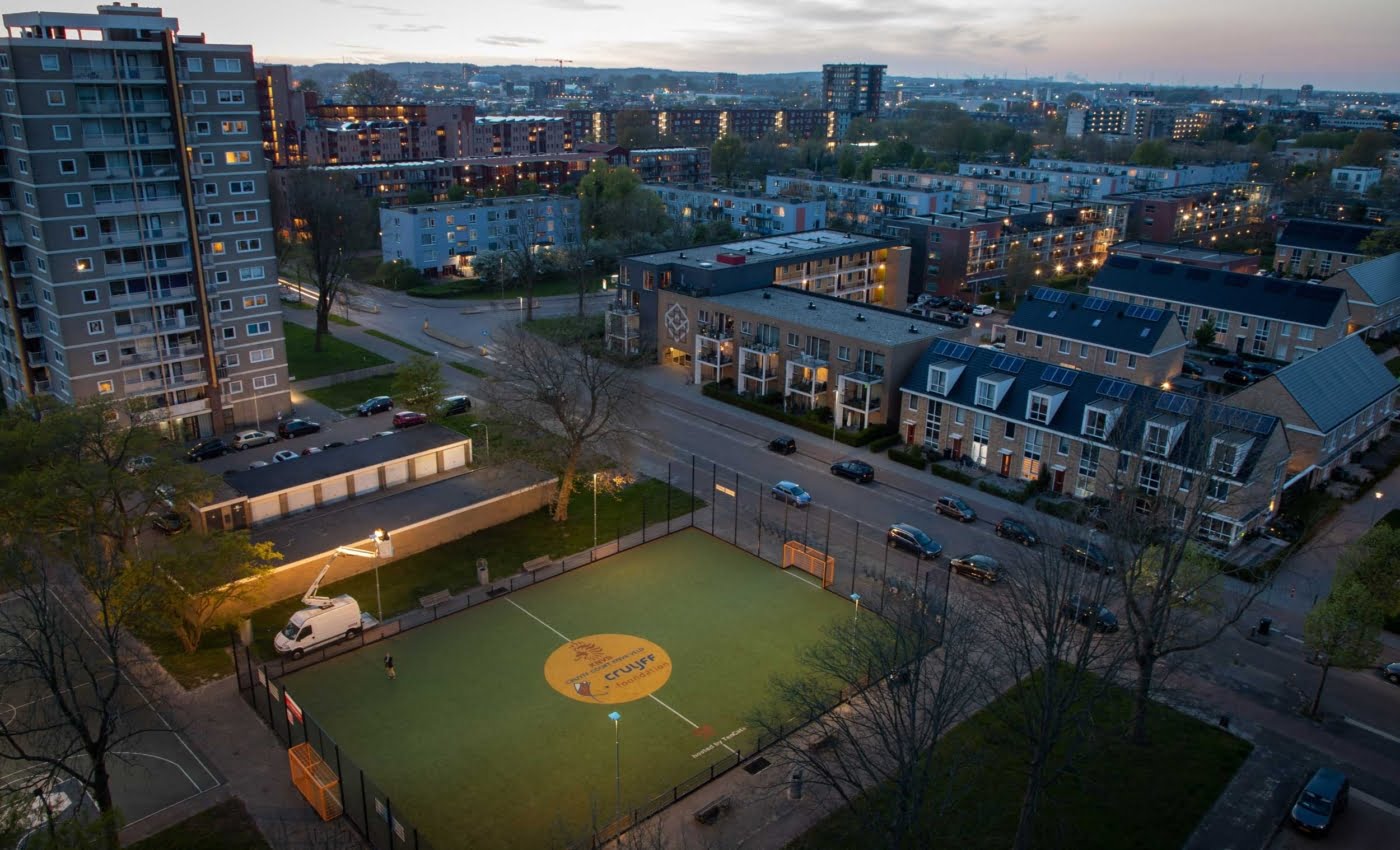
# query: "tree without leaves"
{"type": "Point", "coordinates": [1344, 631]}
{"type": "Point", "coordinates": [371, 86]}
{"type": "Point", "coordinates": [419, 384]}
{"type": "Point", "coordinates": [583, 262]}
{"type": "Point", "coordinates": [335, 221]}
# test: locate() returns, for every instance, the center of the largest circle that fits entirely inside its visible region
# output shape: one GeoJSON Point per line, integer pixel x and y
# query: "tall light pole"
{"type": "Point", "coordinates": [595, 510]}
{"type": "Point", "coordinates": [522, 308]}
{"type": "Point", "coordinates": [855, 597]}
{"type": "Point", "coordinates": [484, 427]}
{"type": "Point", "coordinates": [617, 752]}
{"type": "Point", "coordinates": [1376, 504]}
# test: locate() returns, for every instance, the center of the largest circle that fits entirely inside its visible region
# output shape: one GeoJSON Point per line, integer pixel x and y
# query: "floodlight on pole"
{"type": "Point", "coordinates": [855, 597]}
{"type": "Point", "coordinates": [617, 750]}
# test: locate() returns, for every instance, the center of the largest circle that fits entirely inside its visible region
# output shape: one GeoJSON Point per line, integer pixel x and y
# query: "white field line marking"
{"type": "Point", "coordinates": [802, 578]}
{"type": "Point", "coordinates": [100, 679]}
{"type": "Point", "coordinates": [164, 759]}
{"type": "Point", "coordinates": [1376, 802]}
{"type": "Point", "coordinates": [1294, 638]}
{"type": "Point", "coordinates": [568, 639]}
{"type": "Point", "coordinates": [140, 692]}
{"type": "Point", "coordinates": [1373, 730]}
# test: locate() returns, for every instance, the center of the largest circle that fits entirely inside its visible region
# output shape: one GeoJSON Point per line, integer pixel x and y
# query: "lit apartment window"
{"type": "Point", "coordinates": [237, 158]}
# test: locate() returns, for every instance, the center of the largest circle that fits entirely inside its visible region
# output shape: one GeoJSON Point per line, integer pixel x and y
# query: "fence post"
{"type": "Point", "coordinates": [389, 818]}
{"type": "Point", "coordinates": [271, 718]}
{"type": "Point", "coordinates": [644, 520]}
{"type": "Point", "coordinates": [668, 497]}
{"type": "Point", "coordinates": [855, 557]}
{"type": "Point", "coordinates": [759, 529]}
{"type": "Point", "coordinates": [884, 571]}
{"type": "Point", "coordinates": [692, 489]}
{"type": "Point", "coordinates": [714, 500]}
{"type": "Point", "coordinates": [364, 808]}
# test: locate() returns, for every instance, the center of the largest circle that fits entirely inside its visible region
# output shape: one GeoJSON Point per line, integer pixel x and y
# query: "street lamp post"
{"type": "Point", "coordinates": [855, 597]}
{"type": "Point", "coordinates": [595, 510]}
{"type": "Point", "coordinates": [617, 757]}
{"type": "Point", "coordinates": [522, 308]}
{"type": "Point", "coordinates": [1375, 505]}
{"type": "Point", "coordinates": [484, 427]}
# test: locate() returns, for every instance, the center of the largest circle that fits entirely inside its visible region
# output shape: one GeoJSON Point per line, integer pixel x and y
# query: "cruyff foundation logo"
{"type": "Point", "coordinates": [607, 669]}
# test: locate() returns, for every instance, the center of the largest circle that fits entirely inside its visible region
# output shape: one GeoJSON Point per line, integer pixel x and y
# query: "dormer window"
{"type": "Point", "coordinates": [991, 390]}
{"type": "Point", "coordinates": [943, 376]}
{"type": "Point", "coordinates": [1227, 453]}
{"type": "Point", "coordinates": [1159, 435]}
{"type": "Point", "coordinates": [1099, 419]}
{"type": "Point", "coordinates": [1042, 403]}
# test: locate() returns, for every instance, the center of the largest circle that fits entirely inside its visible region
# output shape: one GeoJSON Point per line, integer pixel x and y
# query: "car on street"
{"type": "Point", "coordinates": [984, 568]}
{"type": "Point", "coordinates": [954, 507]}
{"type": "Point", "coordinates": [454, 405]}
{"type": "Point", "coordinates": [378, 404]}
{"type": "Point", "coordinates": [856, 470]}
{"type": "Point", "coordinates": [782, 445]}
{"type": "Point", "coordinates": [792, 493]}
{"type": "Point", "coordinates": [206, 449]}
{"type": "Point", "coordinates": [293, 428]}
{"type": "Point", "coordinates": [140, 463]}
{"type": "Point", "coordinates": [170, 522]}
{"type": "Point", "coordinates": [1321, 801]}
{"type": "Point", "coordinates": [904, 536]}
{"type": "Point", "coordinates": [983, 310]}
{"type": "Point", "coordinates": [1014, 529]}
{"type": "Point", "coordinates": [1089, 613]}
{"type": "Point", "coordinates": [1261, 370]}
{"type": "Point", "coordinates": [311, 450]}
{"type": "Point", "coordinates": [284, 455]}
{"type": "Point", "coordinates": [252, 439]}
{"type": "Point", "coordinates": [1229, 361]}
{"type": "Point", "coordinates": [333, 444]}
{"type": "Point", "coordinates": [257, 464]}
{"type": "Point", "coordinates": [957, 305]}
{"type": "Point", "coordinates": [409, 418]}
{"type": "Point", "coordinates": [1192, 369]}
{"type": "Point", "coordinates": [935, 301]}
{"type": "Point", "coordinates": [1081, 551]}
{"type": "Point", "coordinates": [1391, 672]}
{"type": "Point", "coordinates": [1237, 377]}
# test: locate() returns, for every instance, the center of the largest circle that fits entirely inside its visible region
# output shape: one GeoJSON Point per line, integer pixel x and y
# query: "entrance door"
{"type": "Point", "coordinates": [1006, 466]}
{"type": "Point", "coordinates": [957, 448]}
{"type": "Point", "coordinates": [909, 433]}
{"type": "Point", "coordinates": [1057, 484]}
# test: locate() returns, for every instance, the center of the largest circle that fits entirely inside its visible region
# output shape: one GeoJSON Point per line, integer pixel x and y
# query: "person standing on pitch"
{"type": "Point", "coordinates": [389, 666]}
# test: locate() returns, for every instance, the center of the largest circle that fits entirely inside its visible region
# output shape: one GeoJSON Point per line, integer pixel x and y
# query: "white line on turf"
{"type": "Point", "coordinates": [802, 578]}
{"type": "Point", "coordinates": [567, 639]}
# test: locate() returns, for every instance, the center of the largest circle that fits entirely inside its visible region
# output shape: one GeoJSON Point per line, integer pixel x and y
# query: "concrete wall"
{"type": "Point", "coordinates": [292, 579]}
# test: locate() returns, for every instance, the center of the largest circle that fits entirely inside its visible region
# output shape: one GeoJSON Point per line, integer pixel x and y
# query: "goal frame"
{"type": "Point", "coordinates": [810, 560]}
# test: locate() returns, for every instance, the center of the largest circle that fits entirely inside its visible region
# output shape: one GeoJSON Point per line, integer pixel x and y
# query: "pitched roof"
{"type": "Point", "coordinates": [1379, 278]}
{"type": "Point", "coordinates": [1335, 236]}
{"type": "Point", "coordinates": [1097, 321]}
{"type": "Point", "coordinates": [1253, 295]}
{"type": "Point", "coordinates": [1334, 384]}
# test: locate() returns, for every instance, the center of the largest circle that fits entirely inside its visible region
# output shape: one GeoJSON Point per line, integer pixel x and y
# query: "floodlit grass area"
{"type": "Point", "coordinates": [346, 395]}
{"type": "Point", "coordinates": [227, 826]}
{"type": "Point", "coordinates": [478, 748]}
{"type": "Point", "coordinates": [1119, 795]}
{"type": "Point", "coordinates": [206, 664]}
{"type": "Point", "coordinates": [452, 566]}
{"type": "Point", "coordinates": [568, 330]}
{"type": "Point", "coordinates": [303, 361]}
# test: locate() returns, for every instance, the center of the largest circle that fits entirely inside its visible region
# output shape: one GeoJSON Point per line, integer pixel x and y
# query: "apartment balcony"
{"type": "Point", "coordinates": [31, 330]}
{"type": "Point", "coordinates": [138, 237]}
{"type": "Point", "coordinates": [6, 205]}
{"type": "Point", "coordinates": [148, 73]}
{"type": "Point", "coordinates": [715, 356]}
{"type": "Point", "coordinates": [186, 351]}
{"type": "Point", "coordinates": [169, 382]}
{"type": "Point", "coordinates": [714, 331]}
{"type": "Point", "coordinates": [169, 203]}
{"type": "Point", "coordinates": [14, 234]}
{"type": "Point", "coordinates": [126, 172]}
{"type": "Point", "coordinates": [24, 298]}
{"type": "Point", "coordinates": [37, 358]}
{"type": "Point", "coordinates": [19, 267]}
{"type": "Point", "coordinates": [43, 387]}
{"type": "Point", "coordinates": [157, 265]}
{"type": "Point", "coordinates": [133, 140]}
{"type": "Point", "coordinates": [174, 411]}
{"type": "Point", "coordinates": [131, 107]}
{"type": "Point", "coordinates": [167, 295]}
{"type": "Point", "coordinates": [861, 401]}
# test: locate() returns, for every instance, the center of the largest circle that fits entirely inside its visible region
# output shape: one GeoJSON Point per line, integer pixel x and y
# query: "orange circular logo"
{"type": "Point", "coordinates": [607, 668]}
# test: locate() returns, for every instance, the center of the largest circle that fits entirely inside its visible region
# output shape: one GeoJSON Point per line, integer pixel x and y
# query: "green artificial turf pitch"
{"type": "Point", "coordinates": [476, 749]}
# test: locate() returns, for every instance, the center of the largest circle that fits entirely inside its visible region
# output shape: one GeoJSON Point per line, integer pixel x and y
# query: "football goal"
{"type": "Point", "coordinates": [316, 781]}
{"type": "Point", "coordinates": [809, 560]}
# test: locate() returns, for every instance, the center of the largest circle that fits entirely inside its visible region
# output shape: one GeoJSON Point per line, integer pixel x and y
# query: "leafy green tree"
{"type": "Point", "coordinates": [1153, 152]}
{"type": "Point", "coordinates": [1205, 335]}
{"type": "Point", "coordinates": [615, 206]}
{"type": "Point", "coordinates": [419, 384]}
{"type": "Point", "coordinates": [418, 196]}
{"type": "Point", "coordinates": [203, 575]}
{"type": "Point", "coordinates": [1343, 631]}
{"type": "Point", "coordinates": [636, 129]}
{"type": "Point", "coordinates": [371, 86]}
{"type": "Point", "coordinates": [1374, 562]}
{"type": "Point", "coordinates": [1263, 143]}
{"type": "Point", "coordinates": [725, 156]}
{"type": "Point", "coordinates": [1382, 243]}
{"type": "Point", "coordinates": [1367, 148]}
{"type": "Point", "coordinates": [456, 192]}
{"type": "Point", "coordinates": [847, 163]}
{"type": "Point", "coordinates": [308, 84]}
{"type": "Point", "coordinates": [398, 275]}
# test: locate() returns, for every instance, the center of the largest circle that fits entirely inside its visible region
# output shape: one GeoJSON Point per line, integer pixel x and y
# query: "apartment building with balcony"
{"type": "Point", "coordinates": [684, 166]}
{"type": "Point", "coordinates": [1187, 255]}
{"type": "Point", "coordinates": [1137, 121]}
{"type": "Point", "coordinates": [1200, 214]}
{"type": "Point", "coordinates": [704, 125]}
{"type": "Point", "coordinates": [1252, 314]}
{"type": "Point", "coordinates": [1310, 248]}
{"type": "Point", "coordinates": [860, 206]}
{"type": "Point", "coordinates": [749, 213]}
{"type": "Point", "coordinates": [520, 135]}
{"type": "Point", "coordinates": [1089, 435]}
{"type": "Point", "coordinates": [861, 269]}
{"type": "Point", "coordinates": [817, 351]}
{"type": "Point", "coordinates": [968, 191]}
{"type": "Point", "coordinates": [853, 89]}
{"type": "Point", "coordinates": [390, 183]}
{"type": "Point", "coordinates": [1141, 345]}
{"type": "Point", "coordinates": [138, 245]}
{"type": "Point", "coordinates": [436, 238]}
{"type": "Point", "coordinates": [1078, 181]}
{"type": "Point", "coordinates": [1373, 295]}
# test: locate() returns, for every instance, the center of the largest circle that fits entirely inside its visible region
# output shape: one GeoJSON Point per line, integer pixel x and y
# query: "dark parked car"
{"type": "Point", "coordinates": [1192, 369]}
{"type": "Point", "coordinates": [1237, 377]}
{"type": "Point", "coordinates": [170, 523]}
{"type": "Point", "coordinates": [378, 404]}
{"type": "Point", "coordinates": [984, 568]}
{"type": "Point", "coordinates": [856, 470]}
{"type": "Point", "coordinates": [1013, 529]}
{"type": "Point", "coordinates": [334, 444]}
{"type": "Point", "coordinates": [1229, 361]}
{"type": "Point", "coordinates": [214, 447]}
{"type": "Point", "coordinates": [408, 418]}
{"type": "Point", "coordinates": [1088, 613]}
{"type": "Point", "coordinates": [954, 507]}
{"type": "Point", "coordinates": [911, 539]}
{"type": "Point", "coordinates": [957, 305]}
{"type": "Point", "coordinates": [1284, 528]}
{"type": "Point", "coordinates": [1261, 370]}
{"type": "Point", "coordinates": [1392, 672]}
{"type": "Point", "coordinates": [1323, 799]}
{"type": "Point", "coordinates": [1086, 553]}
{"type": "Point", "coordinates": [782, 445]}
{"type": "Point", "coordinates": [455, 404]}
{"type": "Point", "coordinates": [296, 428]}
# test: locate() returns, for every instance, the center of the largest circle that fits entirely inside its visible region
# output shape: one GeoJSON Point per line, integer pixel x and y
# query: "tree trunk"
{"type": "Point", "coordinates": [582, 287]}
{"type": "Point", "coordinates": [1317, 698]}
{"type": "Point", "coordinates": [530, 296]}
{"type": "Point", "coordinates": [566, 487]}
{"type": "Point", "coordinates": [1030, 804]}
{"type": "Point", "coordinates": [101, 789]}
{"type": "Point", "coordinates": [323, 321]}
{"type": "Point", "coordinates": [1142, 698]}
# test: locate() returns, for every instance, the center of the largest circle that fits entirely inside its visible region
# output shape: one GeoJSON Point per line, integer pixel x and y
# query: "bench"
{"type": "Point", "coordinates": [432, 600]}
{"type": "Point", "coordinates": [710, 812]}
{"type": "Point", "coordinates": [531, 566]}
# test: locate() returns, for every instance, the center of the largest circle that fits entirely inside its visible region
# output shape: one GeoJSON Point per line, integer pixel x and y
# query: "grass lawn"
{"type": "Point", "coordinates": [470, 289]}
{"type": "Point", "coordinates": [496, 732]}
{"type": "Point", "coordinates": [346, 395]}
{"type": "Point", "coordinates": [334, 318]}
{"type": "Point", "coordinates": [568, 330]}
{"type": "Point", "coordinates": [335, 356]}
{"type": "Point", "coordinates": [1118, 796]}
{"type": "Point", "coordinates": [396, 341]}
{"type": "Point", "coordinates": [226, 826]}
{"type": "Point", "coordinates": [452, 566]}
{"type": "Point", "coordinates": [206, 664]}
{"type": "Point", "coordinates": [466, 367]}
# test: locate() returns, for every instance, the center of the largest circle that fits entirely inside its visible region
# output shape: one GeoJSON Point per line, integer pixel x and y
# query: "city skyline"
{"type": "Point", "coordinates": [1092, 41]}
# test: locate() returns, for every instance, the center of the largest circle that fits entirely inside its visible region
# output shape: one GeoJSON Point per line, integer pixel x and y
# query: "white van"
{"type": "Point", "coordinates": [312, 627]}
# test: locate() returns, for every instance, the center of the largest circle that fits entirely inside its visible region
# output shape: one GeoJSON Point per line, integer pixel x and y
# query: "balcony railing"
{"type": "Point", "coordinates": [134, 237]}
{"type": "Point", "coordinates": [808, 387]}
{"type": "Point", "coordinates": [149, 73]}
{"type": "Point", "coordinates": [166, 295]}
{"type": "Point", "coordinates": [37, 358]}
{"type": "Point", "coordinates": [759, 373]}
{"type": "Point", "coordinates": [159, 264]}
{"type": "Point", "coordinates": [123, 140]}
{"type": "Point", "coordinates": [860, 401]}
{"type": "Point", "coordinates": [165, 203]}
{"type": "Point", "coordinates": [19, 267]}
{"type": "Point", "coordinates": [715, 358]}
{"type": "Point", "coordinates": [31, 329]}
{"type": "Point", "coordinates": [714, 332]}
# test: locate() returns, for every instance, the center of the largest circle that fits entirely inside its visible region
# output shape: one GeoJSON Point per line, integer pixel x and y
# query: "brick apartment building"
{"type": "Point", "coordinates": [1187, 255]}
{"type": "Point", "coordinates": [749, 213]}
{"type": "Point", "coordinates": [1312, 248]}
{"type": "Point", "coordinates": [861, 206]}
{"type": "Point", "coordinates": [1201, 214]}
{"type": "Point", "coordinates": [1373, 294]}
{"type": "Point", "coordinates": [446, 237]}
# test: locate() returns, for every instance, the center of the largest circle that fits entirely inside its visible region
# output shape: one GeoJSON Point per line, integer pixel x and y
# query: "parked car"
{"type": "Point", "coordinates": [1261, 370]}
{"type": "Point", "coordinates": [957, 305]}
{"type": "Point", "coordinates": [141, 463]}
{"type": "Point", "coordinates": [937, 300]}
{"type": "Point", "coordinates": [311, 450]}
{"type": "Point", "coordinates": [205, 449]}
{"type": "Point", "coordinates": [910, 539]}
{"type": "Point", "coordinates": [257, 464]}
{"type": "Point", "coordinates": [782, 445]}
{"type": "Point", "coordinates": [1081, 550]}
{"type": "Point", "coordinates": [455, 404]}
{"type": "Point", "coordinates": [954, 507]}
{"type": "Point", "coordinates": [1237, 377]}
{"type": "Point", "coordinates": [378, 404]}
{"type": "Point", "coordinates": [252, 439]}
{"type": "Point", "coordinates": [284, 455]}
{"type": "Point", "coordinates": [1392, 672]}
{"type": "Point", "coordinates": [1322, 800]}
{"type": "Point", "coordinates": [1088, 613]}
{"type": "Point", "coordinates": [1192, 369]}
{"type": "Point", "coordinates": [334, 444]}
{"type": "Point", "coordinates": [856, 470]}
{"type": "Point", "coordinates": [982, 310]}
{"type": "Point", "coordinates": [1229, 361]}
{"type": "Point", "coordinates": [984, 568]}
{"type": "Point", "coordinates": [408, 418]}
{"type": "Point", "coordinates": [1014, 529]}
{"type": "Point", "coordinates": [793, 494]}
{"type": "Point", "coordinates": [170, 522]}
{"type": "Point", "coordinates": [293, 428]}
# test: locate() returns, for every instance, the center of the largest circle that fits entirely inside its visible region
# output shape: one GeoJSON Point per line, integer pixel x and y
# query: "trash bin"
{"type": "Point", "coordinates": [1265, 623]}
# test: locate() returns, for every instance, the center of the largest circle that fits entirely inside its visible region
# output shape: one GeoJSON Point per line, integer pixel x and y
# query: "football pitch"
{"type": "Point", "coordinates": [496, 732]}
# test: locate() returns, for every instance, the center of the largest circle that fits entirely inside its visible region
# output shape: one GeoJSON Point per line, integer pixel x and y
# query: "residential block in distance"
{"type": "Point", "coordinates": [749, 213]}
{"type": "Point", "coordinates": [446, 237]}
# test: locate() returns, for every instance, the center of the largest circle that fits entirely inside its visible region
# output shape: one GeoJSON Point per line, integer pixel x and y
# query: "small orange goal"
{"type": "Point", "coordinates": [316, 781]}
{"type": "Point", "coordinates": [810, 560]}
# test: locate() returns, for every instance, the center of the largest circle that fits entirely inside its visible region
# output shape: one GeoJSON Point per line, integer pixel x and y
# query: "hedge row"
{"type": "Point", "coordinates": [889, 441]}
{"type": "Point", "coordinates": [1020, 495]}
{"type": "Point", "coordinates": [950, 473]}
{"type": "Point", "coordinates": [913, 457]}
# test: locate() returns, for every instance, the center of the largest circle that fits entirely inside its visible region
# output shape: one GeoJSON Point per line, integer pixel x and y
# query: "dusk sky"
{"type": "Point", "coordinates": [1336, 44]}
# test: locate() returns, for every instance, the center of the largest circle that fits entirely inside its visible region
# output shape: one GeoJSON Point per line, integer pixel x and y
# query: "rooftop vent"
{"type": "Point", "coordinates": [680, 256]}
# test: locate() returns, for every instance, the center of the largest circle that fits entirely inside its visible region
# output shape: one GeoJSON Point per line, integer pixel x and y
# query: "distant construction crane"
{"type": "Point", "coordinates": [560, 62]}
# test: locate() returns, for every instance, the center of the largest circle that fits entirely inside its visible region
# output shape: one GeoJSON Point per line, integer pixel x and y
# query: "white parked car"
{"type": "Point", "coordinates": [249, 439]}
{"type": "Point", "coordinates": [982, 310]}
{"type": "Point", "coordinates": [285, 455]}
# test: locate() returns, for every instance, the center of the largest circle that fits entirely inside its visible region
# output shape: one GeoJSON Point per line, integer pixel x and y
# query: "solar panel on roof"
{"type": "Point", "coordinates": [953, 350]}
{"type": "Point", "coordinates": [1059, 376]}
{"type": "Point", "coordinates": [1101, 305]}
{"type": "Point", "coordinates": [1173, 403]}
{"type": "Point", "coordinates": [1052, 296]}
{"type": "Point", "coordinates": [1008, 363]}
{"type": "Point", "coordinates": [1114, 388]}
{"type": "Point", "coordinates": [1142, 311]}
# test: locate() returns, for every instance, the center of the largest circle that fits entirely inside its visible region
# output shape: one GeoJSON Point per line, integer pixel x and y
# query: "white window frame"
{"type": "Point", "coordinates": [62, 133]}
{"type": "Point", "coordinates": [234, 387]}
{"type": "Point", "coordinates": [227, 65]}
{"type": "Point", "coordinates": [261, 355]}
{"type": "Point", "coordinates": [55, 97]}
{"type": "Point", "coordinates": [257, 328]}
{"type": "Point", "coordinates": [241, 187]}
{"type": "Point", "coordinates": [197, 96]}
{"type": "Point", "coordinates": [48, 62]}
{"type": "Point", "coordinates": [95, 327]}
{"type": "Point", "coordinates": [252, 302]}
{"type": "Point", "coordinates": [230, 97]}
{"type": "Point", "coordinates": [262, 382]}
{"type": "Point", "coordinates": [101, 358]}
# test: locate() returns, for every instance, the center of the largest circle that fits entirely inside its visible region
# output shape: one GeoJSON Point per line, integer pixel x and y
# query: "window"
{"type": "Point", "coordinates": [234, 128]}
{"type": "Point", "coordinates": [4, 61]}
{"type": "Point", "coordinates": [215, 219]}
{"type": "Point", "coordinates": [1030, 466]}
{"type": "Point", "coordinates": [1064, 346]}
{"type": "Point", "coordinates": [262, 382]}
{"type": "Point", "coordinates": [1187, 479]}
{"type": "Point", "coordinates": [225, 305]}
{"type": "Point", "coordinates": [195, 64]}
{"type": "Point", "coordinates": [105, 388]}
{"type": "Point", "coordinates": [1010, 430]}
{"type": "Point", "coordinates": [72, 200]}
{"type": "Point", "coordinates": [90, 296]}
{"type": "Point", "coordinates": [198, 96]}
{"type": "Point", "coordinates": [230, 333]}
{"type": "Point", "coordinates": [54, 97]}
{"type": "Point", "coordinates": [240, 187]}
{"type": "Point", "coordinates": [1305, 334]}
{"type": "Point", "coordinates": [100, 358]}
{"type": "Point", "coordinates": [251, 273]}
{"type": "Point", "coordinates": [201, 128]}
{"type": "Point", "coordinates": [843, 352]}
{"type": "Point", "coordinates": [245, 216]}
{"type": "Point", "coordinates": [1244, 321]}
{"type": "Point", "coordinates": [258, 328]}
{"type": "Point", "coordinates": [911, 401]}
{"type": "Point", "coordinates": [1286, 330]}
{"type": "Point", "coordinates": [227, 66]}
{"type": "Point", "coordinates": [792, 339]}
{"type": "Point", "coordinates": [260, 355]}
{"type": "Point", "coordinates": [1110, 358]}
{"type": "Point", "coordinates": [746, 328]}
{"type": "Point", "coordinates": [1222, 322]}
{"type": "Point", "coordinates": [211, 190]}
{"type": "Point", "coordinates": [221, 277]}
{"type": "Point", "coordinates": [231, 361]}
{"type": "Point", "coordinates": [252, 301]}
{"type": "Point", "coordinates": [66, 166]}
{"type": "Point", "coordinates": [1039, 409]}
{"type": "Point", "coordinates": [78, 232]}
{"type": "Point", "coordinates": [228, 97]}
{"type": "Point", "coordinates": [41, 264]}
{"type": "Point", "coordinates": [83, 264]}
{"type": "Point", "coordinates": [16, 132]}
{"type": "Point", "coordinates": [245, 246]}
{"type": "Point", "coordinates": [28, 199]}
{"type": "Point", "coordinates": [986, 394]}
{"type": "Point", "coordinates": [1217, 489]}
{"type": "Point", "coordinates": [94, 327]}
{"type": "Point", "coordinates": [1063, 447]}
{"type": "Point", "coordinates": [10, 97]}
{"type": "Point", "coordinates": [1021, 337]}
{"type": "Point", "coordinates": [237, 157]}
{"type": "Point", "coordinates": [1083, 351]}
{"type": "Point", "coordinates": [1150, 477]}
{"type": "Point", "coordinates": [1095, 423]}
{"type": "Point", "coordinates": [206, 158]}
{"type": "Point", "coordinates": [1124, 461]}
{"type": "Point", "coordinates": [48, 61]}
{"type": "Point", "coordinates": [234, 387]}
{"type": "Point", "coordinates": [62, 133]}
{"type": "Point", "coordinates": [1039, 340]}
{"type": "Point", "coordinates": [1157, 440]}
{"type": "Point", "coordinates": [933, 425]}
{"type": "Point", "coordinates": [217, 248]}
